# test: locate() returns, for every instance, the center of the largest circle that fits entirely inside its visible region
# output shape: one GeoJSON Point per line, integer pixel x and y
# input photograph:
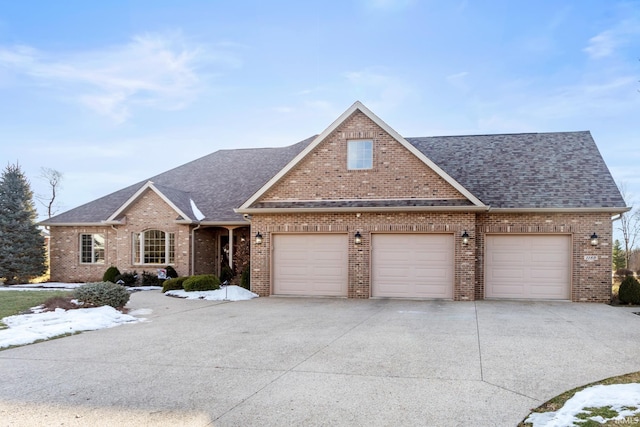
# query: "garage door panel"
{"type": "Point", "coordinates": [412, 265]}
{"type": "Point", "coordinates": [310, 264]}
{"type": "Point", "coordinates": [537, 266]}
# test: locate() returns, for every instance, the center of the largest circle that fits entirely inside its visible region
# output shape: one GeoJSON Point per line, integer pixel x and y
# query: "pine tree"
{"type": "Point", "coordinates": [22, 251]}
{"type": "Point", "coordinates": [618, 256]}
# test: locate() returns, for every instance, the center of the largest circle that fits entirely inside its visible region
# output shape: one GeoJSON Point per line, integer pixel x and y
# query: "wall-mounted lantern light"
{"type": "Point", "coordinates": [258, 238]}
{"type": "Point", "coordinates": [465, 238]}
{"type": "Point", "coordinates": [357, 238]}
{"type": "Point", "coordinates": [594, 239]}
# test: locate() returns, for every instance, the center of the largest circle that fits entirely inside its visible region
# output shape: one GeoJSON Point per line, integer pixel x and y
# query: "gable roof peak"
{"type": "Point", "coordinates": [359, 106]}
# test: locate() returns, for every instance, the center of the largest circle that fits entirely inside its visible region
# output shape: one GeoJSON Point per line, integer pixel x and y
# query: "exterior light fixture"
{"type": "Point", "coordinates": [357, 238]}
{"type": "Point", "coordinates": [594, 239]}
{"type": "Point", "coordinates": [258, 238]}
{"type": "Point", "coordinates": [465, 238]}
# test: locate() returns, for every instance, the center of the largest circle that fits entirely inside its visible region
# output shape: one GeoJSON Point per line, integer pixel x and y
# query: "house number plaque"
{"type": "Point", "coordinates": [591, 258]}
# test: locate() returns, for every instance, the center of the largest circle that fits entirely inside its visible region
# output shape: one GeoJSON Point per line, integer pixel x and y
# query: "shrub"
{"type": "Point", "coordinates": [204, 282]}
{"type": "Point", "coordinates": [171, 272]}
{"type": "Point", "coordinates": [102, 293]}
{"type": "Point", "coordinates": [226, 273]}
{"type": "Point", "coordinates": [127, 279]}
{"type": "Point", "coordinates": [173, 284]}
{"type": "Point", "coordinates": [150, 279]}
{"type": "Point", "coordinates": [623, 272]}
{"type": "Point", "coordinates": [629, 291]}
{"type": "Point", "coordinates": [111, 274]}
{"type": "Point", "coordinates": [245, 278]}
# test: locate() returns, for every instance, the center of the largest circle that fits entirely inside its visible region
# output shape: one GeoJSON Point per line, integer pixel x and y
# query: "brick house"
{"type": "Point", "coordinates": [359, 211]}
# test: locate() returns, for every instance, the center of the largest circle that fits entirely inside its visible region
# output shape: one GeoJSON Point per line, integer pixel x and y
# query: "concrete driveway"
{"type": "Point", "coordinates": [296, 361]}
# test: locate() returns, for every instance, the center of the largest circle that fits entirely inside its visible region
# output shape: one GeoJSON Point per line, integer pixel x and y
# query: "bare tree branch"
{"type": "Point", "coordinates": [629, 224]}
{"type": "Point", "coordinates": [54, 178]}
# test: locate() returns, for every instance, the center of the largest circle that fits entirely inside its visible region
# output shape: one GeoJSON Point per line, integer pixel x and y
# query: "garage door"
{"type": "Point", "coordinates": [412, 265]}
{"type": "Point", "coordinates": [528, 266]}
{"type": "Point", "coordinates": [310, 264]}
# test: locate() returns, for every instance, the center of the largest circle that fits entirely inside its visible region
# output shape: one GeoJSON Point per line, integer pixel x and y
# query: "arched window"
{"type": "Point", "coordinates": [153, 247]}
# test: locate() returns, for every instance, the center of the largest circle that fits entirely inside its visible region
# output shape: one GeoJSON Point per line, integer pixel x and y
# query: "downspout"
{"type": "Point", "coordinates": [116, 231]}
{"type": "Point", "coordinates": [193, 249]}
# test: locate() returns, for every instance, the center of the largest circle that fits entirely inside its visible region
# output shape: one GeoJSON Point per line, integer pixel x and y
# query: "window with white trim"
{"type": "Point", "coordinates": [360, 154]}
{"type": "Point", "coordinates": [153, 247]}
{"type": "Point", "coordinates": [92, 248]}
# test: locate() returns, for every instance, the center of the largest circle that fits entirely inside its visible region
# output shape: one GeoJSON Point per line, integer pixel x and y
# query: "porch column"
{"type": "Point", "coordinates": [231, 247]}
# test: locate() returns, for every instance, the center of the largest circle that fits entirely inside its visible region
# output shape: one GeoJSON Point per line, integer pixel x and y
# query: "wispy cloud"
{"type": "Point", "coordinates": [377, 89]}
{"type": "Point", "coordinates": [607, 42]}
{"type": "Point", "coordinates": [389, 5]}
{"type": "Point", "coordinates": [159, 71]}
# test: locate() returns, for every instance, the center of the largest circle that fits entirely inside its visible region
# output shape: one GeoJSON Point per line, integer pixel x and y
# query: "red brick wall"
{"type": "Point", "coordinates": [591, 280]}
{"type": "Point", "coordinates": [359, 279]}
{"type": "Point", "coordinates": [149, 212]}
{"type": "Point", "coordinates": [396, 172]}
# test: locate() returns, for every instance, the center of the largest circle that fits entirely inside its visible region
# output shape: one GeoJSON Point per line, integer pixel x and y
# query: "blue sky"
{"type": "Point", "coordinates": [111, 93]}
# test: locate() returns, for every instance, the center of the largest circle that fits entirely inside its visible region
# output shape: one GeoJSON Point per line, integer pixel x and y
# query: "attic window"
{"type": "Point", "coordinates": [360, 154]}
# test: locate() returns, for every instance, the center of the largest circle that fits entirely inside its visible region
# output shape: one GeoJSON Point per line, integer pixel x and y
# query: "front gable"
{"type": "Point", "coordinates": [398, 176]}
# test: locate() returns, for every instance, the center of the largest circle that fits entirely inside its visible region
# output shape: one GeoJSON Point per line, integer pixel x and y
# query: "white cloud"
{"type": "Point", "coordinates": [159, 71]}
{"type": "Point", "coordinates": [602, 45]}
{"type": "Point", "coordinates": [387, 5]}
{"type": "Point", "coordinates": [378, 91]}
{"type": "Point", "coordinates": [608, 42]}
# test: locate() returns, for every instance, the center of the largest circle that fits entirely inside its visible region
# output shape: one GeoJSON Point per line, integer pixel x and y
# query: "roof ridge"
{"type": "Point", "coordinates": [499, 134]}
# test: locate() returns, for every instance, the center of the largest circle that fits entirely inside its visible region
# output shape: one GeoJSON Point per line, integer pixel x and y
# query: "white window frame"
{"type": "Point", "coordinates": [94, 249]}
{"type": "Point", "coordinates": [139, 252]}
{"type": "Point", "coordinates": [360, 154]}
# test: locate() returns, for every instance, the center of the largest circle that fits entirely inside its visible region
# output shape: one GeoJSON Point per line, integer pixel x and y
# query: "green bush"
{"type": "Point", "coordinates": [171, 272]}
{"type": "Point", "coordinates": [150, 279]}
{"type": "Point", "coordinates": [629, 292]}
{"type": "Point", "coordinates": [102, 293]}
{"type": "Point", "coordinates": [204, 282]}
{"type": "Point", "coordinates": [245, 278]}
{"type": "Point", "coordinates": [623, 272]}
{"type": "Point", "coordinates": [173, 284]}
{"type": "Point", "coordinates": [111, 274]}
{"type": "Point", "coordinates": [127, 279]}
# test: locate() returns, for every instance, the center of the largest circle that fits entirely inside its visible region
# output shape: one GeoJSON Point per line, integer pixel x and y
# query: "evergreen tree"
{"type": "Point", "coordinates": [22, 251]}
{"type": "Point", "coordinates": [618, 256]}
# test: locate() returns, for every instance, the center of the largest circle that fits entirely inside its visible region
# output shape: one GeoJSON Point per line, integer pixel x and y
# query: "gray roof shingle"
{"type": "Point", "coordinates": [520, 171]}
{"type": "Point", "coordinates": [529, 170]}
{"type": "Point", "coordinates": [217, 183]}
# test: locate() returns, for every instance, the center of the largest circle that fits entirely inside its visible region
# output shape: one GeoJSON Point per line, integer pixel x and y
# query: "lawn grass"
{"type": "Point", "coordinates": [559, 401]}
{"type": "Point", "coordinates": [15, 302]}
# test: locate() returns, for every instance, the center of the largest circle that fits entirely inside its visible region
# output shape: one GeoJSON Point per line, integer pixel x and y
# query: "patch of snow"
{"type": "Point", "coordinates": [45, 286]}
{"type": "Point", "coordinates": [28, 328]}
{"type": "Point", "coordinates": [199, 215]}
{"type": "Point", "coordinates": [144, 288]}
{"type": "Point", "coordinates": [227, 293]}
{"type": "Point", "coordinates": [618, 396]}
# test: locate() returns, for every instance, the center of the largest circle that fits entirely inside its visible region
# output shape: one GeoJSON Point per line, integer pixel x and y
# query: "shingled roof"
{"type": "Point", "coordinates": [562, 170]}
{"type": "Point", "coordinates": [217, 183]}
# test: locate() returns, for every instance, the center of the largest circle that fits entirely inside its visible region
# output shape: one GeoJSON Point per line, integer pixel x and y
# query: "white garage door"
{"type": "Point", "coordinates": [310, 264]}
{"type": "Point", "coordinates": [412, 265]}
{"type": "Point", "coordinates": [528, 266]}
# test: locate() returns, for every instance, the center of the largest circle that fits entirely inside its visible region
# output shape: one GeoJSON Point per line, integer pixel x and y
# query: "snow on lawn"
{"type": "Point", "coordinates": [620, 397]}
{"type": "Point", "coordinates": [226, 293]}
{"type": "Point", "coordinates": [28, 328]}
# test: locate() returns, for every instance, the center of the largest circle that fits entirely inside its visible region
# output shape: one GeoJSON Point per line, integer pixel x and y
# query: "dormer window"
{"type": "Point", "coordinates": [360, 154]}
